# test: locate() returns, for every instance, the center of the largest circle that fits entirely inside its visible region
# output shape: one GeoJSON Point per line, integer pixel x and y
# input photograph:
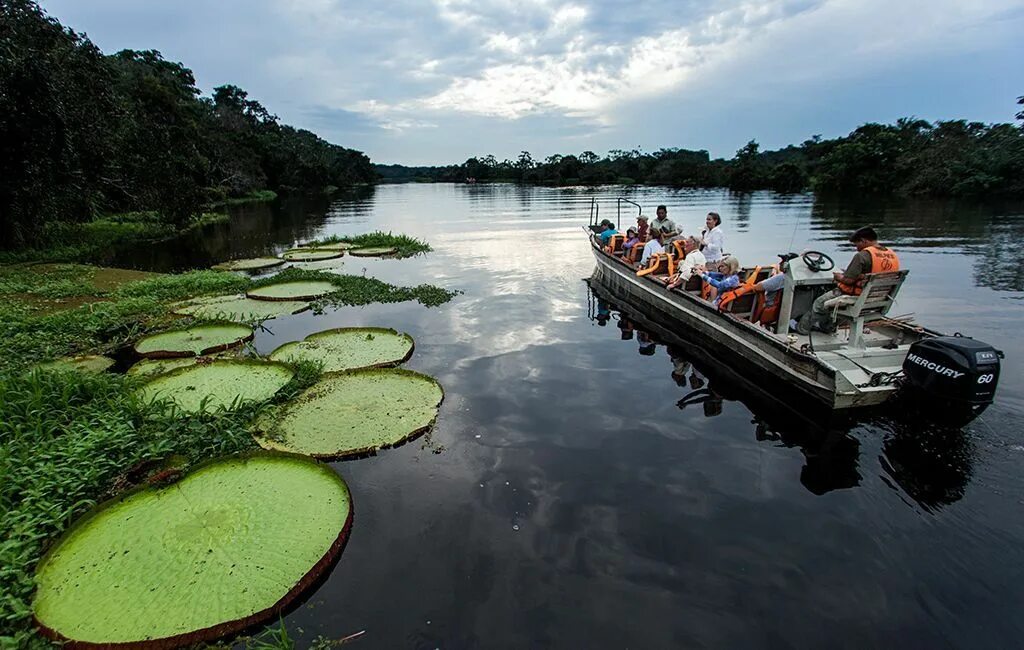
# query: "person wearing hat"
{"type": "Point", "coordinates": [871, 257]}
{"type": "Point", "coordinates": [608, 229]}
{"type": "Point", "coordinates": [641, 228]}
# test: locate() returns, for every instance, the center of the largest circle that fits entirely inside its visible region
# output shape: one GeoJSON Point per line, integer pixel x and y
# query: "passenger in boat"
{"type": "Point", "coordinates": [607, 232]}
{"type": "Point", "coordinates": [663, 224]}
{"type": "Point", "coordinates": [632, 239]}
{"type": "Point", "coordinates": [693, 263]}
{"type": "Point", "coordinates": [653, 246]}
{"type": "Point", "coordinates": [712, 240]}
{"type": "Point", "coordinates": [725, 279]}
{"type": "Point", "coordinates": [642, 228]}
{"type": "Point", "coordinates": [871, 257]}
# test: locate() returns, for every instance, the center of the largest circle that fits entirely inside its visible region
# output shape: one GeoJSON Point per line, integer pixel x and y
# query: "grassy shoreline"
{"type": "Point", "coordinates": [69, 440]}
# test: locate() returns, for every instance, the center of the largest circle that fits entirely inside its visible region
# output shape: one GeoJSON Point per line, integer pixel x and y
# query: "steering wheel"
{"type": "Point", "coordinates": [815, 261]}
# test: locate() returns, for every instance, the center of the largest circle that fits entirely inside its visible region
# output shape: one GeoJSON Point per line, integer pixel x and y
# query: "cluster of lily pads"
{"type": "Point", "coordinates": [314, 253]}
{"type": "Point", "coordinates": [186, 559]}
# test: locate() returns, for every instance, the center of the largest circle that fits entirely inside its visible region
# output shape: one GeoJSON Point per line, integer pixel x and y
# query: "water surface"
{"type": "Point", "coordinates": [577, 492]}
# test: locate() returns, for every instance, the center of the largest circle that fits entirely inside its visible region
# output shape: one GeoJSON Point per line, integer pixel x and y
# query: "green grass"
{"type": "Point", "coordinates": [259, 196]}
{"type": "Point", "coordinates": [68, 441]}
{"type": "Point", "coordinates": [407, 246]}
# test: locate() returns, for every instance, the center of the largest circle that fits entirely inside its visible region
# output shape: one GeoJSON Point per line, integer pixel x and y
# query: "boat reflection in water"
{"type": "Point", "coordinates": [926, 463]}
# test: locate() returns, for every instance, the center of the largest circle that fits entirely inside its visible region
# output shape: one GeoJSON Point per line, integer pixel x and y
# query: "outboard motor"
{"type": "Point", "coordinates": [953, 371]}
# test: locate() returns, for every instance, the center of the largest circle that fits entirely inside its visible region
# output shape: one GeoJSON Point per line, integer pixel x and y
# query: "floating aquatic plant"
{"type": "Point", "coordinates": [349, 348]}
{"type": "Point", "coordinates": [239, 308]}
{"type": "Point", "coordinates": [310, 254]}
{"type": "Point", "coordinates": [353, 413]}
{"type": "Point", "coordinates": [85, 363]}
{"type": "Point", "coordinates": [220, 383]}
{"type": "Point", "coordinates": [201, 339]}
{"type": "Point", "coordinates": [373, 251]}
{"type": "Point", "coordinates": [226, 546]}
{"type": "Point", "coordinates": [302, 290]}
{"type": "Point", "coordinates": [252, 264]}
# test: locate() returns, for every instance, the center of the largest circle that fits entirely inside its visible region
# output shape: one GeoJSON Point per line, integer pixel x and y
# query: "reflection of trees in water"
{"type": "Point", "coordinates": [989, 232]}
{"type": "Point", "coordinates": [742, 202]}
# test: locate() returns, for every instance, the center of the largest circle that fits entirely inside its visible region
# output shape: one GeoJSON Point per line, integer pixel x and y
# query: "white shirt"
{"type": "Point", "coordinates": [650, 248]}
{"type": "Point", "coordinates": [691, 262]}
{"type": "Point", "coordinates": [714, 242]}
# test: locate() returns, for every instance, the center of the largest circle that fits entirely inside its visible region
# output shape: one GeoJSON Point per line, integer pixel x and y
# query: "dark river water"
{"type": "Point", "coordinates": [578, 492]}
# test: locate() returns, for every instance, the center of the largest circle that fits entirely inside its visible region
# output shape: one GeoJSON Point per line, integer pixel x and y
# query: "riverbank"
{"type": "Point", "coordinates": [75, 438]}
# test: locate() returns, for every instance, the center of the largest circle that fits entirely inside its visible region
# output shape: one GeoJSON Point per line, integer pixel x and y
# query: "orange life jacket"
{"type": "Point", "coordinates": [882, 261]}
{"type": "Point", "coordinates": [615, 243]}
{"type": "Point", "coordinates": [635, 252]}
{"type": "Point", "coordinates": [659, 264]}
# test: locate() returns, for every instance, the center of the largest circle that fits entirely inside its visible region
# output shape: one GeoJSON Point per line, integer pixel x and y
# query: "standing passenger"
{"type": "Point", "coordinates": [712, 238]}
{"type": "Point", "coordinates": [663, 224]}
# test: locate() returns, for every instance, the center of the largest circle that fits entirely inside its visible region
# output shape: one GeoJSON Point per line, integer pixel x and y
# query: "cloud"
{"type": "Point", "coordinates": [452, 77]}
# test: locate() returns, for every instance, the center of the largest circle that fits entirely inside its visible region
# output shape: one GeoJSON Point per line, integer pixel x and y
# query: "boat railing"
{"type": "Point", "coordinates": [618, 210]}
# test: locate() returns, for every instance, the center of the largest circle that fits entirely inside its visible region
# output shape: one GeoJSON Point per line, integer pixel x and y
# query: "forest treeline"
{"type": "Point", "coordinates": [952, 158]}
{"type": "Point", "coordinates": [83, 133]}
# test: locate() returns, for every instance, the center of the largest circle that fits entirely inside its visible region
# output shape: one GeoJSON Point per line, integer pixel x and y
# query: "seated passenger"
{"type": "Point", "coordinates": [871, 257]}
{"type": "Point", "coordinates": [693, 264]}
{"type": "Point", "coordinates": [727, 278]}
{"type": "Point", "coordinates": [607, 232]}
{"type": "Point", "coordinates": [642, 228]}
{"type": "Point", "coordinates": [653, 246]}
{"type": "Point", "coordinates": [632, 239]}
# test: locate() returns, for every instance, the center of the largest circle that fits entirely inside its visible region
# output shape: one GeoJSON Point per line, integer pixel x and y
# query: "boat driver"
{"type": "Point", "coordinates": [871, 257]}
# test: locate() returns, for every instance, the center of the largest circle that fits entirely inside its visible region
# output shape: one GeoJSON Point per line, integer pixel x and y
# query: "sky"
{"type": "Point", "coordinates": [424, 82]}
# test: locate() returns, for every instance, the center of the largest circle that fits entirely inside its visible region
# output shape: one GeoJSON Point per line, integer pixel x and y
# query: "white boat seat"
{"type": "Point", "coordinates": [875, 300]}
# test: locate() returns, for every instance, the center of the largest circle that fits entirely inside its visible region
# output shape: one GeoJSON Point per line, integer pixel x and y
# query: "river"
{"type": "Point", "coordinates": [565, 499]}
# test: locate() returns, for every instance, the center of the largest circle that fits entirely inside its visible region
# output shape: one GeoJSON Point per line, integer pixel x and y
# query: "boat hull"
{"type": "Point", "coordinates": [734, 340]}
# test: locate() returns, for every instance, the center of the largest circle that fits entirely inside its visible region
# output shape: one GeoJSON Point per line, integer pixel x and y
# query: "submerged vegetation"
{"type": "Point", "coordinates": [954, 158]}
{"type": "Point", "coordinates": [87, 134]}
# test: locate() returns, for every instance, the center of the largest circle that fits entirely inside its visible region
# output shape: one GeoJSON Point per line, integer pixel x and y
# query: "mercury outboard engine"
{"type": "Point", "coordinates": [955, 374]}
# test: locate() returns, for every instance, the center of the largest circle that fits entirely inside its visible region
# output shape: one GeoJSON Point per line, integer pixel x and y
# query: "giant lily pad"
{"type": "Point", "coordinates": [349, 348]}
{"type": "Point", "coordinates": [86, 363]}
{"type": "Point", "coordinates": [220, 383]}
{"type": "Point", "coordinates": [239, 308]}
{"type": "Point", "coordinates": [335, 246]}
{"type": "Point", "coordinates": [154, 367]}
{"type": "Point", "coordinates": [372, 251]}
{"type": "Point", "coordinates": [253, 264]}
{"type": "Point", "coordinates": [354, 413]}
{"type": "Point", "coordinates": [227, 546]}
{"type": "Point", "coordinates": [310, 254]}
{"type": "Point", "coordinates": [202, 339]}
{"type": "Point", "coordinates": [292, 291]}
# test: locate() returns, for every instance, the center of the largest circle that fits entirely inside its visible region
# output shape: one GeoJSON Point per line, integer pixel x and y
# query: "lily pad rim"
{"type": "Point", "coordinates": [364, 452]}
{"type": "Point", "coordinates": [272, 262]}
{"type": "Point", "coordinates": [381, 330]}
{"type": "Point", "coordinates": [302, 298]}
{"type": "Point", "coordinates": [315, 572]}
{"type": "Point", "coordinates": [247, 361]}
{"type": "Point", "coordinates": [335, 254]}
{"type": "Point", "coordinates": [168, 354]}
{"type": "Point", "coordinates": [378, 251]}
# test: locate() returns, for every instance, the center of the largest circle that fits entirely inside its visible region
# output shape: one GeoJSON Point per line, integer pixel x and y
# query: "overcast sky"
{"type": "Point", "coordinates": [437, 81]}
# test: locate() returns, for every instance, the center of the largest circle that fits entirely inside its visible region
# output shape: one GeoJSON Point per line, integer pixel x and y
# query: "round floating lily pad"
{"type": "Point", "coordinates": [349, 348]}
{"type": "Point", "coordinates": [354, 413]}
{"type": "Point", "coordinates": [239, 308]}
{"type": "Point", "coordinates": [292, 291]}
{"type": "Point", "coordinates": [153, 367]}
{"type": "Point", "coordinates": [372, 251]}
{"type": "Point", "coordinates": [336, 246]}
{"type": "Point", "coordinates": [201, 339]}
{"type": "Point", "coordinates": [227, 546]}
{"type": "Point", "coordinates": [218, 383]}
{"type": "Point", "coordinates": [253, 264]}
{"type": "Point", "coordinates": [310, 254]}
{"type": "Point", "coordinates": [86, 363]}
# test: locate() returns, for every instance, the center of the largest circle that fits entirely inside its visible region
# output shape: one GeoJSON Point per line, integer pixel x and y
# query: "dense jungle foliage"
{"type": "Point", "coordinates": [83, 134]}
{"type": "Point", "coordinates": [911, 157]}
